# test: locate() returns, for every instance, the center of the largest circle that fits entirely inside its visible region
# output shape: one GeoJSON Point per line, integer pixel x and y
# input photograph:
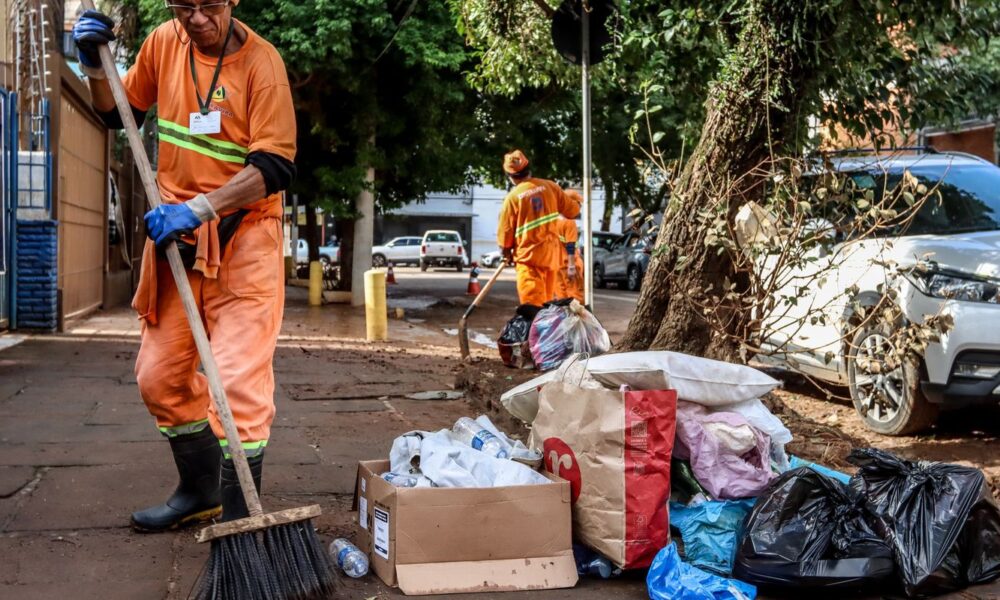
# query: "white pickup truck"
{"type": "Point", "coordinates": [442, 249]}
{"type": "Point", "coordinates": [327, 254]}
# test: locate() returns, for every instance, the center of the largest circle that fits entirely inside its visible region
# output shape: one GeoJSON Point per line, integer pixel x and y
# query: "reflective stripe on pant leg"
{"type": "Point", "coordinates": [251, 449]}
{"type": "Point", "coordinates": [186, 429]}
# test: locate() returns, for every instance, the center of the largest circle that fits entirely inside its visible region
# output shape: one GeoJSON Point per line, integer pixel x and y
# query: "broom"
{"type": "Point", "coordinates": [274, 556]}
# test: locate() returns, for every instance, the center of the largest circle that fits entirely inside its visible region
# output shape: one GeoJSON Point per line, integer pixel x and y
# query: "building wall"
{"type": "Point", "coordinates": [979, 140]}
{"type": "Point", "coordinates": [81, 187]}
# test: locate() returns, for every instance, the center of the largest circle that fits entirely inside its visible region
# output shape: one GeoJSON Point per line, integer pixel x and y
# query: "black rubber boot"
{"type": "Point", "coordinates": [233, 505]}
{"type": "Point", "coordinates": [197, 498]}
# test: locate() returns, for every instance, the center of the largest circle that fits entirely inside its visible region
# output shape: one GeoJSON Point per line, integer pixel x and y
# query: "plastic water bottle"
{"type": "Point", "coordinates": [353, 561]}
{"type": "Point", "coordinates": [591, 563]}
{"type": "Point", "coordinates": [472, 433]}
{"type": "Point", "coordinates": [398, 480]}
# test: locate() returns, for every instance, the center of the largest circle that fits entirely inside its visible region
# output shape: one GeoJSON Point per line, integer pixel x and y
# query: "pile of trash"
{"type": "Point", "coordinates": [684, 444]}
{"type": "Point", "coordinates": [472, 454]}
{"type": "Point", "coordinates": [543, 339]}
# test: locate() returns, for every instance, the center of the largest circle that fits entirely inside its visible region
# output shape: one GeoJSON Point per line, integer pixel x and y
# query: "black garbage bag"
{"type": "Point", "coordinates": [513, 341]}
{"type": "Point", "coordinates": [809, 530]}
{"type": "Point", "coordinates": [939, 519]}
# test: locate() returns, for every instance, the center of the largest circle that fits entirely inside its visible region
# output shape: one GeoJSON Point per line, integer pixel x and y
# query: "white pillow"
{"type": "Point", "coordinates": [701, 380]}
{"type": "Point", "coordinates": [522, 401]}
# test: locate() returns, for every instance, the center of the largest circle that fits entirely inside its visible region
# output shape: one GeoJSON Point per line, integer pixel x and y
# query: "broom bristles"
{"type": "Point", "coordinates": [300, 562]}
{"type": "Point", "coordinates": [238, 569]}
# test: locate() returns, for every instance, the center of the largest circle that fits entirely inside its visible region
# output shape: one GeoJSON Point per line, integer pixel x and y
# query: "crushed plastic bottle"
{"type": "Point", "coordinates": [353, 561]}
{"type": "Point", "coordinates": [472, 433]}
{"type": "Point", "coordinates": [593, 564]}
{"type": "Point", "coordinates": [405, 481]}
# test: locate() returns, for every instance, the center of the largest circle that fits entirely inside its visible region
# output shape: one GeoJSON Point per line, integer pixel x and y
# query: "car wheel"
{"type": "Point", "coordinates": [599, 281]}
{"type": "Point", "coordinates": [886, 396]}
{"type": "Point", "coordinates": [378, 260]}
{"type": "Point", "coordinates": [423, 265]}
{"type": "Point", "coordinates": [634, 281]}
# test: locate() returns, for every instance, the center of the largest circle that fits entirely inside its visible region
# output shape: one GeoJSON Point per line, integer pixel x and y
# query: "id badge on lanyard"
{"type": "Point", "coordinates": [207, 121]}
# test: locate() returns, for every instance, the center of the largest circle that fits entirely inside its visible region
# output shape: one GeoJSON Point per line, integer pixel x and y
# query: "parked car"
{"type": "Point", "coordinates": [398, 251]}
{"type": "Point", "coordinates": [491, 259]}
{"type": "Point", "coordinates": [955, 242]}
{"type": "Point", "coordinates": [329, 254]}
{"type": "Point", "coordinates": [624, 261]}
{"type": "Point", "coordinates": [442, 249]}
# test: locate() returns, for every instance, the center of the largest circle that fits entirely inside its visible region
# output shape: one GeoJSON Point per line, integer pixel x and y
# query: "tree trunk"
{"type": "Point", "coordinates": [609, 206]}
{"type": "Point", "coordinates": [312, 232]}
{"type": "Point", "coordinates": [345, 237]}
{"type": "Point", "coordinates": [742, 127]}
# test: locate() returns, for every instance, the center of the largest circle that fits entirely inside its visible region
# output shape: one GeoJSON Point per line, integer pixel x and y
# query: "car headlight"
{"type": "Point", "coordinates": [950, 286]}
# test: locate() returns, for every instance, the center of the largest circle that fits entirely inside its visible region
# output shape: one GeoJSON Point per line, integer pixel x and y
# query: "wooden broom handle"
{"type": "Point", "coordinates": [218, 392]}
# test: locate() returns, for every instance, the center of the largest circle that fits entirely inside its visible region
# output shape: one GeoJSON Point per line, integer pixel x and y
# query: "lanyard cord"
{"type": "Point", "coordinates": [203, 106]}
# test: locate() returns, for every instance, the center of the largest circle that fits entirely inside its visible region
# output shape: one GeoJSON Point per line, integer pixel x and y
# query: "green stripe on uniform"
{"type": "Point", "coordinates": [187, 145]}
{"type": "Point", "coordinates": [219, 149]}
{"type": "Point", "coordinates": [252, 449]}
{"type": "Point", "coordinates": [186, 429]}
{"type": "Point", "coordinates": [523, 229]}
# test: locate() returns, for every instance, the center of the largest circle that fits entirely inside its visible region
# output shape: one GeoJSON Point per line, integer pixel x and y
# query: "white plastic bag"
{"type": "Point", "coordinates": [701, 380]}
{"type": "Point", "coordinates": [560, 331]}
{"type": "Point", "coordinates": [761, 419]}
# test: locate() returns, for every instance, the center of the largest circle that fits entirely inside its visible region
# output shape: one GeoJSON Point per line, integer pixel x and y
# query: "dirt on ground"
{"type": "Point", "coordinates": [823, 423]}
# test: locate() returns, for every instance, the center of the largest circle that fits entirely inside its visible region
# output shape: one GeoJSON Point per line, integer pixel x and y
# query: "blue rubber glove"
{"type": "Point", "coordinates": [92, 30]}
{"type": "Point", "coordinates": [168, 222]}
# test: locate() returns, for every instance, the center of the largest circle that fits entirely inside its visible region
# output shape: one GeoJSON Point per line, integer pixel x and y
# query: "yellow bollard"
{"type": "Point", "coordinates": [315, 283]}
{"type": "Point", "coordinates": [376, 318]}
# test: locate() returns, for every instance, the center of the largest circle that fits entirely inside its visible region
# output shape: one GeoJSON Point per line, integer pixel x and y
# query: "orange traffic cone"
{"type": "Point", "coordinates": [474, 287]}
{"type": "Point", "coordinates": [390, 277]}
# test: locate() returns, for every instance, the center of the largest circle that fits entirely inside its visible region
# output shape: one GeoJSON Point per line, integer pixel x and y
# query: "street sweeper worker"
{"type": "Point", "coordinates": [569, 283]}
{"type": "Point", "coordinates": [528, 233]}
{"type": "Point", "coordinates": [226, 149]}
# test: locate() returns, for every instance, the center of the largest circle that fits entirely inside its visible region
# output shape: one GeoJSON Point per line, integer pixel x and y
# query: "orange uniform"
{"type": "Point", "coordinates": [239, 288]}
{"type": "Point", "coordinates": [565, 286]}
{"type": "Point", "coordinates": [528, 225]}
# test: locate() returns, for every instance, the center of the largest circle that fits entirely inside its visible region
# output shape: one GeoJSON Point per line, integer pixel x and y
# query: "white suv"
{"type": "Point", "coordinates": [956, 242]}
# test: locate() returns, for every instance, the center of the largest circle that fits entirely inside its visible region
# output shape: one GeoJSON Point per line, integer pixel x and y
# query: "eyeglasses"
{"type": "Point", "coordinates": [186, 11]}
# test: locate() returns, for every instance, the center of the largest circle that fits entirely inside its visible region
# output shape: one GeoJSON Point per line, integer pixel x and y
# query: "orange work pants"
{"type": "Point", "coordinates": [242, 312]}
{"type": "Point", "coordinates": [535, 285]}
{"type": "Point", "coordinates": [570, 288]}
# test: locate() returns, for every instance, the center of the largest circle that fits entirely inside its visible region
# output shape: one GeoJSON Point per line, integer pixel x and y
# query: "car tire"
{"type": "Point", "coordinates": [888, 401]}
{"type": "Point", "coordinates": [378, 260]}
{"type": "Point", "coordinates": [599, 281]}
{"type": "Point", "coordinates": [423, 265]}
{"type": "Point", "coordinates": [634, 280]}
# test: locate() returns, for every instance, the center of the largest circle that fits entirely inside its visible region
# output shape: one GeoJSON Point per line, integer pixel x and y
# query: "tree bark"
{"type": "Point", "coordinates": [742, 128]}
{"type": "Point", "coordinates": [345, 237]}
{"type": "Point", "coordinates": [609, 206]}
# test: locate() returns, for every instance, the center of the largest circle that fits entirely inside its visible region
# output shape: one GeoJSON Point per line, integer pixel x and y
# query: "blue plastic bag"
{"type": "Point", "coordinates": [670, 578]}
{"type": "Point", "coordinates": [797, 462]}
{"type": "Point", "coordinates": [710, 531]}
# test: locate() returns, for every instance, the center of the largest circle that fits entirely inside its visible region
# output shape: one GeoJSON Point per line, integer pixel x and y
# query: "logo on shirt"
{"type": "Point", "coordinates": [536, 204]}
{"type": "Point", "coordinates": [220, 94]}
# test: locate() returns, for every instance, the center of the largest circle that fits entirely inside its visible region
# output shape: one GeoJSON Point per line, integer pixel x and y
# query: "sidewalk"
{"type": "Point", "coordinates": [78, 451]}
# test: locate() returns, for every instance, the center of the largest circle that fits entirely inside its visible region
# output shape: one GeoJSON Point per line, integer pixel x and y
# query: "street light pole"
{"type": "Point", "coordinates": [588, 233]}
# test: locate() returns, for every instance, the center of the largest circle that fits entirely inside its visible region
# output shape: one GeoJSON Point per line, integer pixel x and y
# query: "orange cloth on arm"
{"type": "Point", "coordinates": [528, 222]}
{"type": "Point", "coordinates": [242, 311]}
{"type": "Point", "coordinates": [535, 285]}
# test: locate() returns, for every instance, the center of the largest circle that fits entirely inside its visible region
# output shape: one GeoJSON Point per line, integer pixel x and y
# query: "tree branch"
{"type": "Point", "coordinates": [545, 8]}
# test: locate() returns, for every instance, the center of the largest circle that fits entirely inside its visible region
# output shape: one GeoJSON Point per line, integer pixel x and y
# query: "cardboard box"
{"type": "Point", "coordinates": [452, 540]}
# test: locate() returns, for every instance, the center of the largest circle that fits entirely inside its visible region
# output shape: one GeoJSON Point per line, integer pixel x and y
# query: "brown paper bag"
{"type": "Point", "coordinates": [614, 448]}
